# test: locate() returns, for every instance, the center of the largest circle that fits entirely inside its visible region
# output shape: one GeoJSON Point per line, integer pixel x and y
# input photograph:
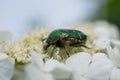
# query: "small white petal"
{"type": "Point", "coordinates": [100, 57]}
{"type": "Point", "coordinates": [100, 68]}
{"type": "Point", "coordinates": [58, 70]}
{"type": "Point", "coordinates": [33, 73]}
{"type": "Point", "coordinates": [79, 62]}
{"type": "Point", "coordinates": [113, 55]}
{"type": "Point", "coordinates": [77, 76]}
{"type": "Point", "coordinates": [115, 43]}
{"type": "Point", "coordinates": [5, 35]}
{"type": "Point", "coordinates": [102, 32]}
{"type": "Point", "coordinates": [101, 43]}
{"type": "Point", "coordinates": [115, 74]}
{"type": "Point", "coordinates": [6, 67]}
{"type": "Point", "coordinates": [19, 73]}
{"type": "Point", "coordinates": [83, 78]}
{"type": "Point", "coordinates": [37, 59]}
{"type": "Point", "coordinates": [116, 56]}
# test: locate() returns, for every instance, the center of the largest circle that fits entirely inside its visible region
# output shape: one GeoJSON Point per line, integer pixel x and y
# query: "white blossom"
{"type": "Point", "coordinates": [100, 42]}
{"type": "Point", "coordinates": [6, 67]}
{"type": "Point", "coordinates": [87, 67]}
{"type": "Point", "coordinates": [101, 62]}
{"type": "Point", "coordinates": [35, 71]}
{"type": "Point", "coordinates": [59, 70]}
{"type": "Point", "coordinates": [51, 69]}
{"type": "Point", "coordinates": [112, 48]}
{"type": "Point", "coordinates": [115, 74]}
{"type": "Point", "coordinates": [114, 56]}
{"type": "Point", "coordinates": [81, 66]}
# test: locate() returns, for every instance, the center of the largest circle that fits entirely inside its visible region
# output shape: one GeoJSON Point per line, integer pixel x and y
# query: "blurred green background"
{"type": "Point", "coordinates": [109, 11]}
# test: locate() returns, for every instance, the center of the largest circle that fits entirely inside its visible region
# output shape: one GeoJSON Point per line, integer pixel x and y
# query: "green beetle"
{"type": "Point", "coordinates": [65, 37]}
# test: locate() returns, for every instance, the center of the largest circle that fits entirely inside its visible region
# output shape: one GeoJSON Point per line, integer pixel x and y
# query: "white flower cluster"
{"type": "Point", "coordinates": [104, 65]}
{"type": "Point", "coordinates": [83, 66]}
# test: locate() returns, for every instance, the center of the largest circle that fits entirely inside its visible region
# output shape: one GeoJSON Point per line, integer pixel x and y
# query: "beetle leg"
{"type": "Point", "coordinates": [52, 52]}
{"type": "Point", "coordinates": [85, 46]}
{"type": "Point", "coordinates": [67, 52]}
{"type": "Point", "coordinates": [46, 47]}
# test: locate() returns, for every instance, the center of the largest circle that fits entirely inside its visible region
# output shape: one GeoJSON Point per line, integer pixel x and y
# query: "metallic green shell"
{"type": "Point", "coordinates": [64, 33]}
